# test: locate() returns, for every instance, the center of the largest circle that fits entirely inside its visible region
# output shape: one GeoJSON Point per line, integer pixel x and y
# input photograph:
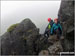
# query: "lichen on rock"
{"type": "Point", "coordinates": [12, 27]}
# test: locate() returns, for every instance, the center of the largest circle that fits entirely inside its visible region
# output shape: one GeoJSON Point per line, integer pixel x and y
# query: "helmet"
{"type": "Point", "coordinates": [49, 19]}
{"type": "Point", "coordinates": [56, 19]}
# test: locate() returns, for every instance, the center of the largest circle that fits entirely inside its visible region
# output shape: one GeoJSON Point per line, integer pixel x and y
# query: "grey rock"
{"type": "Point", "coordinates": [56, 48]}
{"type": "Point", "coordinates": [44, 52]}
{"type": "Point", "coordinates": [20, 40]}
{"type": "Point", "coordinates": [23, 40]}
{"type": "Point", "coordinates": [66, 16]}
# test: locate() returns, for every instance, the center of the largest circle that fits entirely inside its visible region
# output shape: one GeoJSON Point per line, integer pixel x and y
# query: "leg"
{"type": "Point", "coordinates": [58, 34]}
{"type": "Point", "coordinates": [46, 34]}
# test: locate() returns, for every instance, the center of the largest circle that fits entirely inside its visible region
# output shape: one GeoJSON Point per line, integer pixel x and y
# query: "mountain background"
{"type": "Point", "coordinates": [38, 11]}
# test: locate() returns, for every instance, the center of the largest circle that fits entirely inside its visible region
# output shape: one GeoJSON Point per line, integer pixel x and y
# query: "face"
{"type": "Point", "coordinates": [55, 21]}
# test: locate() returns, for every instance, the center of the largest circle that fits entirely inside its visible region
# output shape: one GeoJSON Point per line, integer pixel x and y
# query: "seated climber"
{"type": "Point", "coordinates": [56, 28]}
{"type": "Point", "coordinates": [48, 28]}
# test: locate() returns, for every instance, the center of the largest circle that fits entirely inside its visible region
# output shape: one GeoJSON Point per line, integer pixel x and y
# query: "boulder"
{"type": "Point", "coordinates": [44, 52]}
{"type": "Point", "coordinates": [20, 40]}
{"type": "Point", "coordinates": [56, 48]}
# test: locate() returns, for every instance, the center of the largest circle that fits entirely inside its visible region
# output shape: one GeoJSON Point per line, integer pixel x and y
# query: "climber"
{"type": "Point", "coordinates": [48, 28]}
{"type": "Point", "coordinates": [56, 28]}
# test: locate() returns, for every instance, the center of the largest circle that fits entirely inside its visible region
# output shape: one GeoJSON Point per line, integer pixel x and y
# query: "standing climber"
{"type": "Point", "coordinates": [56, 28]}
{"type": "Point", "coordinates": [48, 28]}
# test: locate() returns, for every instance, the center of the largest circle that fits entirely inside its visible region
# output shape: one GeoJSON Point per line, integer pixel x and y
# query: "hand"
{"type": "Point", "coordinates": [51, 34]}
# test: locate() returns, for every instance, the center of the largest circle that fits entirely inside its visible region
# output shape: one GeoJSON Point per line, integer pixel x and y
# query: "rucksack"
{"type": "Point", "coordinates": [49, 26]}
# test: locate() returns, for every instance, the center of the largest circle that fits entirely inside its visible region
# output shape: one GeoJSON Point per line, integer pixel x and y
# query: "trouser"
{"type": "Point", "coordinates": [57, 33]}
{"type": "Point", "coordinates": [46, 34]}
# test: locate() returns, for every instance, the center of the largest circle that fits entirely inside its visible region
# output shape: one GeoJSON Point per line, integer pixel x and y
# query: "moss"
{"type": "Point", "coordinates": [29, 31]}
{"type": "Point", "coordinates": [25, 38]}
{"type": "Point", "coordinates": [11, 28]}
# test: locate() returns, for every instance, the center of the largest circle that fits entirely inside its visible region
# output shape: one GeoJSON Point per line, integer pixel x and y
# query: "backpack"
{"type": "Point", "coordinates": [49, 26]}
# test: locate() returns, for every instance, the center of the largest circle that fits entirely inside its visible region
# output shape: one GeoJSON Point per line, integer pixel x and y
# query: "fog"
{"type": "Point", "coordinates": [38, 11]}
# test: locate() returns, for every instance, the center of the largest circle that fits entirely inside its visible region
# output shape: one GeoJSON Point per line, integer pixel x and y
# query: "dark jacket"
{"type": "Point", "coordinates": [51, 23]}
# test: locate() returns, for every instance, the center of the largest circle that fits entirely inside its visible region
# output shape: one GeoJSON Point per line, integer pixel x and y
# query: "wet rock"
{"type": "Point", "coordinates": [56, 48]}
{"type": "Point", "coordinates": [21, 40]}
{"type": "Point", "coordinates": [52, 39]}
{"type": "Point", "coordinates": [44, 52]}
{"type": "Point", "coordinates": [24, 39]}
{"type": "Point", "coordinates": [66, 16]}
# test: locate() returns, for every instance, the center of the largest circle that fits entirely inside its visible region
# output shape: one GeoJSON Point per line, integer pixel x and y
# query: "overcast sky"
{"type": "Point", "coordinates": [38, 11]}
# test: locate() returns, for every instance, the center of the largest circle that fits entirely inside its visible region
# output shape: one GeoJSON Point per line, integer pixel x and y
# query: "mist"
{"type": "Point", "coordinates": [38, 11]}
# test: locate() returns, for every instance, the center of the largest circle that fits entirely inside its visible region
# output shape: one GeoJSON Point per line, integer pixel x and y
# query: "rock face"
{"type": "Point", "coordinates": [66, 16]}
{"type": "Point", "coordinates": [54, 47]}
